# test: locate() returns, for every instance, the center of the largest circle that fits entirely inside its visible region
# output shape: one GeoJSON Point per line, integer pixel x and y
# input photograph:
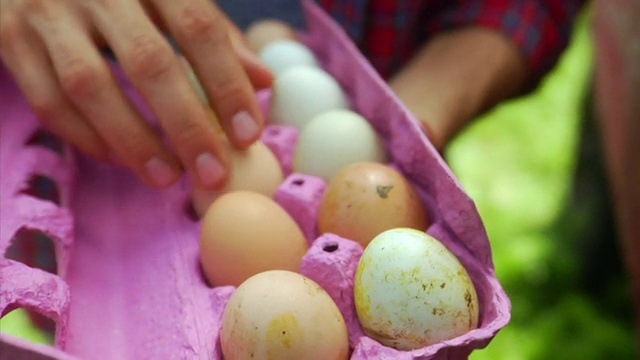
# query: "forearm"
{"type": "Point", "coordinates": [458, 75]}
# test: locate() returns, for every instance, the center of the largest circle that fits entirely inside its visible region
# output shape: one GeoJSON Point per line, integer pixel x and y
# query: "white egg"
{"type": "Point", "coordinates": [411, 292]}
{"type": "Point", "coordinates": [284, 54]}
{"type": "Point", "coordinates": [334, 140]}
{"type": "Point", "coordinates": [303, 92]}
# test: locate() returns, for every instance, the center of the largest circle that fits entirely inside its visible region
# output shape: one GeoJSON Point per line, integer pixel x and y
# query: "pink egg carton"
{"type": "Point", "coordinates": [129, 284]}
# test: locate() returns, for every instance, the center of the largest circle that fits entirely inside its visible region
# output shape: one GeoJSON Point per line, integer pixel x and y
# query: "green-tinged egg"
{"type": "Point", "coordinates": [411, 292]}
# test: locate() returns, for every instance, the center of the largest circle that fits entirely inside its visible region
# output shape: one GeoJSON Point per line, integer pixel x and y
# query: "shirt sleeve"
{"type": "Point", "coordinates": [540, 29]}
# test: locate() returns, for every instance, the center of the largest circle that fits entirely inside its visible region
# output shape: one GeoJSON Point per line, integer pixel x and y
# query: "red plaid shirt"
{"type": "Point", "coordinates": [389, 32]}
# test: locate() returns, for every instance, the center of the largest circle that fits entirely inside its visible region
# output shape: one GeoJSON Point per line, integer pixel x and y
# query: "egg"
{"type": "Point", "coordinates": [334, 140]}
{"type": "Point", "coordinates": [265, 32]}
{"type": "Point", "coordinates": [282, 315]}
{"type": "Point", "coordinates": [411, 292]}
{"type": "Point", "coordinates": [302, 92]}
{"type": "Point", "coordinates": [365, 199]}
{"type": "Point", "coordinates": [194, 81]}
{"type": "Point", "coordinates": [244, 233]}
{"type": "Point", "coordinates": [254, 169]}
{"type": "Point", "coordinates": [282, 55]}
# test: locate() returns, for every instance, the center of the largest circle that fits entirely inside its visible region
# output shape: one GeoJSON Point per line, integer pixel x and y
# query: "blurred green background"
{"type": "Point", "coordinates": [531, 166]}
{"type": "Point", "coordinates": [542, 204]}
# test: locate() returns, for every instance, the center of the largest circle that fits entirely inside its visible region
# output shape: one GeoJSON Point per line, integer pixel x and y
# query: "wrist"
{"type": "Point", "coordinates": [433, 135]}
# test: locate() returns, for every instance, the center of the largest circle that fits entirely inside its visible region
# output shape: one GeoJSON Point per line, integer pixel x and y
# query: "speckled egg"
{"type": "Point", "coordinates": [283, 315]}
{"type": "Point", "coordinates": [411, 292]}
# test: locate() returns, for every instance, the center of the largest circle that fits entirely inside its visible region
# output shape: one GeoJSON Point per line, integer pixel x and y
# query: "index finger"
{"type": "Point", "coordinates": [201, 30]}
{"type": "Point", "coordinates": [155, 71]}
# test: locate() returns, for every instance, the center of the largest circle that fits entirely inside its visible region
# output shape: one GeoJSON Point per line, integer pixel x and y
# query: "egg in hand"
{"type": "Point", "coordinates": [255, 169]}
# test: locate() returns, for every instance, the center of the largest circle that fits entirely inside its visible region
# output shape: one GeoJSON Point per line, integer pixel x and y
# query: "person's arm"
{"type": "Point", "coordinates": [458, 75]}
{"type": "Point", "coordinates": [480, 53]}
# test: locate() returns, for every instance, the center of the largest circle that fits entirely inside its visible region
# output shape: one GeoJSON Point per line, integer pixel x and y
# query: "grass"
{"type": "Point", "coordinates": [18, 323]}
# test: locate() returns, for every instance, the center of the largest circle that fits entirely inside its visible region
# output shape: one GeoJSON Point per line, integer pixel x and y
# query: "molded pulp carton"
{"type": "Point", "coordinates": [128, 284]}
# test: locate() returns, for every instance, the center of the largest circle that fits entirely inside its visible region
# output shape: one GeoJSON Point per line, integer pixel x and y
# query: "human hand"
{"type": "Point", "coordinates": [52, 49]}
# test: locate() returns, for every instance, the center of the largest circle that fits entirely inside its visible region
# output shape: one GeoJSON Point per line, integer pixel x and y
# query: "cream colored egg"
{"type": "Point", "coordinates": [282, 55]}
{"type": "Point", "coordinates": [254, 169]}
{"type": "Point", "coordinates": [301, 93]}
{"type": "Point", "coordinates": [335, 139]}
{"type": "Point", "coordinates": [283, 315]}
{"type": "Point", "coordinates": [244, 233]}
{"type": "Point", "coordinates": [265, 32]}
{"type": "Point", "coordinates": [411, 292]}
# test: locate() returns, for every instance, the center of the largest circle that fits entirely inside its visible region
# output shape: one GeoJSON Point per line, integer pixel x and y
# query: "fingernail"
{"type": "Point", "coordinates": [245, 127]}
{"type": "Point", "coordinates": [160, 172]}
{"type": "Point", "coordinates": [210, 170]}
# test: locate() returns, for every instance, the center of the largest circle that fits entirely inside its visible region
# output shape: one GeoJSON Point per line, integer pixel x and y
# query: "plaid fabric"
{"type": "Point", "coordinates": [389, 32]}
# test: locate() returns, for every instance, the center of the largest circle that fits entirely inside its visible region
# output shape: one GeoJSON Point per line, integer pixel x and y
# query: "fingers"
{"type": "Point", "coordinates": [259, 74]}
{"type": "Point", "coordinates": [70, 85]}
{"type": "Point", "coordinates": [86, 79]}
{"type": "Point", "coordinates": [25, 56]}
{"type": "Point", "coordinates": [155, 71]}
{"type": "Point", "coordinates": [201, 32]}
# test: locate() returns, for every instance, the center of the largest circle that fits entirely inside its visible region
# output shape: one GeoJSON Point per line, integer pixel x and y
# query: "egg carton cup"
{"type": "Point", "coordinates": [128, 282]}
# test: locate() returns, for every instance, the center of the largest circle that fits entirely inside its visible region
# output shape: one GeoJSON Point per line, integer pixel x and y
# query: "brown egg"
{"type": "Point", "coordinates": [254, 169]}
{"type": "Point", "coordinates": [264, 32]}
{"type": "Point", "coordinates": [244, 233]}
{"type": "Point", "coordinates": [365, 199]}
